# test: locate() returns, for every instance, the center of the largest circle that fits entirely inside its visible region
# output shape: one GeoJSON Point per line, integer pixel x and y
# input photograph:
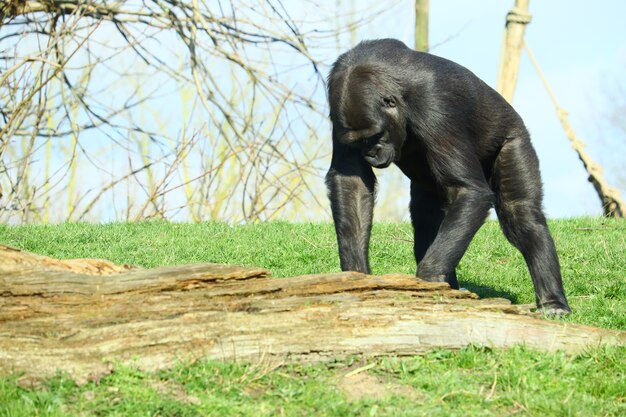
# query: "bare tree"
{"type": "Point", "coordinates": [157, 87]}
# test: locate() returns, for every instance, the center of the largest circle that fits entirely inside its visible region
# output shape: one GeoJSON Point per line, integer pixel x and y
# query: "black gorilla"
{"type": "Point", "coordinates": [460, 143]}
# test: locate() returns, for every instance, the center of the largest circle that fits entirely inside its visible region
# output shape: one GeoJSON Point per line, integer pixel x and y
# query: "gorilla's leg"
{"type": "Point", "coordinates": [517, 185]}
{"type": "Point", "coordinates": [426, 216]}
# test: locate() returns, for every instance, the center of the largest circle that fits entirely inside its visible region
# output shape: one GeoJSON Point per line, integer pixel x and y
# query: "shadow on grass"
{"type": "Point", "coordinates": [488, 292]}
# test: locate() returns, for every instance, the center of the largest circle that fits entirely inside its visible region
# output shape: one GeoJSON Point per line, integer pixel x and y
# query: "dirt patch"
{"type": "Point", "coordinates": [365, 386]}
{"type": "Point", "coordinates": [174, 390]}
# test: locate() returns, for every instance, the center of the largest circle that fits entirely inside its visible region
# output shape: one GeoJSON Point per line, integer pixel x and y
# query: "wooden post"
{"type": "Point", "coordinates": [421, 25]}
{"type": "Point", "coordinates": [512, 43]}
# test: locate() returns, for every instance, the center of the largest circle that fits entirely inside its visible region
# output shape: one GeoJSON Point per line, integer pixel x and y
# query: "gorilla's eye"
{"type": "Point", "coordinates": [389, 101]}
{"type": "Point", "coordinates": [372, 140]}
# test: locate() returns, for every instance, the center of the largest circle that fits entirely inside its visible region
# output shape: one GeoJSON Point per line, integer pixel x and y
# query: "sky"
{"type": "Point", "coordinates": [581, 48]}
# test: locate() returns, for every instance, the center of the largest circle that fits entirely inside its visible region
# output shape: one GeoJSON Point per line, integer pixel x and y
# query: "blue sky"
{"type": "Point", "coordinates": [581, 47]}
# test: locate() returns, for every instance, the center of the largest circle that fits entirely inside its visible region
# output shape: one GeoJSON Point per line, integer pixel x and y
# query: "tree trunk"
{"type": "Point", "coordinates": [80, 316]}
{"type": "Point", "coordinates": [421, 25]}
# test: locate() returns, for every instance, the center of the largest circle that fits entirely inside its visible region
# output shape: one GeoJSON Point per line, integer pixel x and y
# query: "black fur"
{"type": "Point", "coordinates": [463, 147]}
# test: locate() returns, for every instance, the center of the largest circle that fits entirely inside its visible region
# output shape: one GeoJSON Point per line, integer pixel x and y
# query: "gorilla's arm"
{"type": "Point", "coordinates": [352, 187]}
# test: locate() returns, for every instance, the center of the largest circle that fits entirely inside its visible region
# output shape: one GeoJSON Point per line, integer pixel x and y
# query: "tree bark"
{"type": "Point", "coordinates": [80, 319]}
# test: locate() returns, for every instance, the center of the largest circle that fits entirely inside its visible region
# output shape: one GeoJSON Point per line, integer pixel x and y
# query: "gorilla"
{"type": "Point", "coordinates": [463, 147]}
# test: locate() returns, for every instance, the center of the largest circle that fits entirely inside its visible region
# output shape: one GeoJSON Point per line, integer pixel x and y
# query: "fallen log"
{"type": "Point", "coordinates": [80, 316]}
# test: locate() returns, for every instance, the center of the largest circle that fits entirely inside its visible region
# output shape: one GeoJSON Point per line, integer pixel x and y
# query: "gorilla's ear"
{"type": "Point", "coordinates": [389, 101]}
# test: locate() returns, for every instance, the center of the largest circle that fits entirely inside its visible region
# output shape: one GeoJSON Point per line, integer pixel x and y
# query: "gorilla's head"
{"type": "Point", "coordinates": [367, 111]}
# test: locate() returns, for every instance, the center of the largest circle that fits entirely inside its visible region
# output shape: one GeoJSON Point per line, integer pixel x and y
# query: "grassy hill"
{"type": "Point", "coordinates": [473, 381]}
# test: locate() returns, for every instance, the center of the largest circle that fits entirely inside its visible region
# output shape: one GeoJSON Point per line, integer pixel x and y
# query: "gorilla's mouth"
{"type": "Point", "coordinates": [380, 161]}
{"type": "Point", "coordinates": [383, 164]}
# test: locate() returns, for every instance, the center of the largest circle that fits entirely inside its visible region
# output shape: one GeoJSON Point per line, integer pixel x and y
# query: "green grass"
{"type": "Point", "coordinates": [470, 382]}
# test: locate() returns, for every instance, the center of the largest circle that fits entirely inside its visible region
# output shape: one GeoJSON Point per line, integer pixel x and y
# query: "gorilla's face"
{"type": "Point", "coordinates": [378, 131]}
{"type": "Point", "coordinates": [383, 148]}
{"type": "Point", "coordinates": [368, 115]}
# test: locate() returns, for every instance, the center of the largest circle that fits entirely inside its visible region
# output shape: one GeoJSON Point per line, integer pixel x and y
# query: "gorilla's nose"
{"type": "Point", "coordinates": [372, 152]}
